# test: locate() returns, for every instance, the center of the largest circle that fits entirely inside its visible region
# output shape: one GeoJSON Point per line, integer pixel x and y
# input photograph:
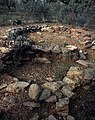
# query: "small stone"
{"type": "Point", "coordinates": [4, 50]}
{"type": "Point", "coordinates": [86, 87]}
{"type": "Point", "coordinates": [88, 46]}
{"type": "Point", "coordinates": [34, 91]}
{"type": "Point", "coordinates": [75, 72]}
{"type": "Point", "coordinates": [16, 87]}
{"type": "Point", "coordinates": [67, 92]}
{"type": "Point", "coordinates": [1, 43]}
{"type": "Point", "coordinates": [35, 117]}
{"type": "Point", "coordinates": [45, 94]}
{"type": "Point", "coordinates": [58, 94]}
{"type": "Point", "coordinates": [70, 54]}
{"type": "Point", "coordinates": [70, 88]}
{"type": "Point", "coordinates": [15, 79]}
{"type": "Point", "coordinates": [56, 49]}
{"type": "Point", "coordinates": [51, 99]}
{"type": "Point", "coordinates": [93, 42]}
{"type": "Point", "coordinates": [71, 47]}
{"type": "Point", "coordinates": [51, 117]}
{"type": "Point", "coordinates": [69, 81]}
{"type": "Point", "coordinates": [63, 113]}
{"type": "Point", "coordinates": [88, 75]}
{"type": "Point", "coordinates": [69, 117]}
{"type": "Point", "coordinates": [50, 79]}
{"type": "Point", "coordinates": [48, 48]}
{"type": "Point", "coordinates": [62, 102]}
{"type": "Point", "coordinates": [60, 83]}
{"type": "Point", "coordinates": [31, 104]}
{"type": "Point", "coordinates": [82, 55]}
{"type": "Point", "coordinates": [93, 47]}
{"type": "Point", "coordinates": [39, 33]}
{"type": "Point", "coordinates": [85, 63]}
{"type": "Point", "coordinates": [43, 60]}
{"type": "Point", "coordinates": [62, 108]}
{"type": "Point", "coordinates": [52, 86]}
{"type": "Point", "coordinates": [3, 86]}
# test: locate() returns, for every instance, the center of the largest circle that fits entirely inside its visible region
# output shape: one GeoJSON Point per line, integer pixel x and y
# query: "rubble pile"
{"type": "Point", "coordinates": [53, 94]}
{"type": "Point", "coordinates": [29, 50]}
{"type": "Point", "coordinates": [49, 99]}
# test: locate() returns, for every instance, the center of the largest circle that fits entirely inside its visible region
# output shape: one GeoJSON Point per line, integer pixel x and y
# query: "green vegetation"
{"type": "Point", "coordinates": [75, 12]}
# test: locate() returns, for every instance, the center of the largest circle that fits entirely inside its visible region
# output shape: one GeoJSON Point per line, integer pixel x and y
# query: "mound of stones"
{"type": "Point", "coordinates": [49, 95]}
{"type": "Point", "coordinates": [30, 50]}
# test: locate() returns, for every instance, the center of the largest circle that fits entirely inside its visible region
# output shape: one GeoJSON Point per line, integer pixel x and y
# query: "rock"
{"type": "Point", "coordinates": [51, 117]}
{"type": "Point", "coordinates": [3, 86]}
{"type": "Point", "coordinates": [15, 79]}
{"type": "Point", "coordinates": [93, 42]}
{"type": "Point", "coordinates": [48, 48]}
{"type": "Point", "coordinates": [82, 55]}
{"type": "Point", "coordinates": [16, 87]}
{"type": "Point", "coordinates": [42, 60]}
{"type": "Point", "coordinates": [75, 72]}
{"type": "Point", "coordinates": [50, 79]}
{"type": "Point", "coordinates": [31, 104]}
{"type": "Point", "coordinates": [16, 22]}
{"type": "Point", "coordinates": [93, 47]}
{"type": "Point", "coordinates": [4, 50]}
{"type": "Point", "coordinates": [69, 117]}
{"type": "Point", "coordinates": [52, 86]}
{"type": "Point", "coordinates": [70, 54]}
{"type": "Point", "coordinates": [45, 29]}
{"type": "Point", "coordinates": [56, 28]}
{"type": "Point", "coordinates": [62, 107]}
{"type": "Point", "coordinates": [35, 117]}
{"type": "Point", "coordinates": [34, 91]}
{"type": "Point", "coordinates": [62, 102]}
{"type": "Point", "coordinates": [1, 43]}
{"type": "Point", "coordinates": [51, 99]}
{"type": "Point", "coordinates": [41, 41]}
{"type": "Point", "coordinates": [64, 112]}
{"type": "Point", "coordinates": [45, 94]}
{"type": "Point", "coordinates": [85, 63]}
{"type": "Point", "coordinates": [71, 47]}
{"type": "Point", "coordinates": [60, 83]}
{"type": "Point", "coordinates": [39, 33]}
{"type": "Point", "coordinates": [67, 92]}
{"type": "Point", "coordinates": [88, 46]}
{"type": "Point", "coordinates": [4, 37]}
{"type": "Point", "coordinates": [69, 81]}
{"type": "Point", "coordinates": [58, 94]}
{"type": "Point", "coordinates": [89, 74]}
{"type": "Point", "coordinates": [56, 49]}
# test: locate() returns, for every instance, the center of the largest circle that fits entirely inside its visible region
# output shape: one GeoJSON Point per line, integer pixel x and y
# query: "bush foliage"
{"type": "Point", "coordinates": [76, 12]}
